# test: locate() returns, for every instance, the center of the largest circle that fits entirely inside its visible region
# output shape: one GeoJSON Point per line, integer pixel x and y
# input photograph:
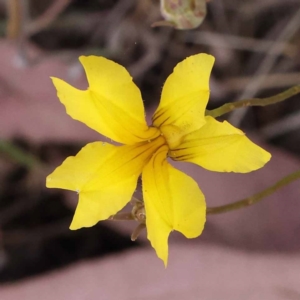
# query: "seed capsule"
{"type": "Point", "coordinates": [182, 14]}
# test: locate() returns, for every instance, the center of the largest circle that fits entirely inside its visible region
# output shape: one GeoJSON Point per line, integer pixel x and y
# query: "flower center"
{"type": "Point", "coordinates": [172, 134]}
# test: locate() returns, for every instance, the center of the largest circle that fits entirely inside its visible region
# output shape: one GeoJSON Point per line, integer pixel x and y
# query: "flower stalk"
{"type": "Point", "coordinates": [228, 107]}
{"type": "Point", "coordinates": [234, 205]}
{"type": "Point", "coordinates": [256, 197]}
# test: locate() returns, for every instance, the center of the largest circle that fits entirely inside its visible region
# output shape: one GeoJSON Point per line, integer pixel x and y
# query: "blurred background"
{"type": "Point", "coordinates": [257, 49]}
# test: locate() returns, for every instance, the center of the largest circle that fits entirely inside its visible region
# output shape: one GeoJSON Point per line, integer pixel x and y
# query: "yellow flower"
{"type": "Point", "coordinates": [105, 176]}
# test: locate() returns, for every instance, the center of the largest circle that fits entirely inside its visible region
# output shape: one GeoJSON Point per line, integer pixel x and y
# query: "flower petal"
{"type": "Point", "coordinates": [219, 146]}
{"type": "Point", "coordinates": [185, 94]}
{"type": "Point", "coordinates": [112, 105]}
{"type": "Point", "coordinates": [173, 201]}
{"type": "Point", "coordinates": [105, 177]}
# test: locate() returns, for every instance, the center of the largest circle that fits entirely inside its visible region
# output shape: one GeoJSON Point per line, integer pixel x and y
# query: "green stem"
{"type": "Point", "coordinates": [18, 155]}
{"type": "Point", "coordinates": [255, 198]}
{"type": "Point", "coordinates": [228, 107]}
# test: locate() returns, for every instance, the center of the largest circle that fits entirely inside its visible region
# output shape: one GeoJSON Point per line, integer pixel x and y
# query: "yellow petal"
{"type": "Point", "coordinates": [74, 173]}
{"type": "Point", "coordinates": [105, 177]}
{"type": "Point", "coordinates": [185, 94]}
{"type": "Point", "coordinates": [173, 201]}
{"type": "Point", "coordinates": [112, 105]}
{"type": "Point", "coordinates": [219, 146]}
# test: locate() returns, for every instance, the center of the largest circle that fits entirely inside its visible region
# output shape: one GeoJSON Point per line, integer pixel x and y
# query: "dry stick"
{"type": "Point", "coordinates": [285, 125]}
{"type": "Point", "coordinates": [265, 67]}
{"type": "Point", "coordinates": [47, 17]}
{"type": "Point", "coordinates": [14, 22]}
{"type": "Point", "coordinates": [230, 41]}
{"type": "Point", "coordinates": [275, 80]}
{"type": "Point", "coordinates": [248, 9]}
{"type": "Point", "coordinates": [17, 12]}
{"type": "Point", "coordinates": [255, 198]}
{"type": "Point", "coordinates": [228, 107]}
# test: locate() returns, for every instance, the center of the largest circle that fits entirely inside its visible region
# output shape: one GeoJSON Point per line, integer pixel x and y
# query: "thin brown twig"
{"type": "Point", "coordinates": [47, 17]}
{"type": "Point", "coordinates": [14, 21]}
{"type": "Point", "coordinates": [282, 126]}
{"type": "Point", "coordinates": [275, 80]}
{"type": "Point", "coordinates": [288, 31]}
{"type": "Point", "coordinates": [238, 42]}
